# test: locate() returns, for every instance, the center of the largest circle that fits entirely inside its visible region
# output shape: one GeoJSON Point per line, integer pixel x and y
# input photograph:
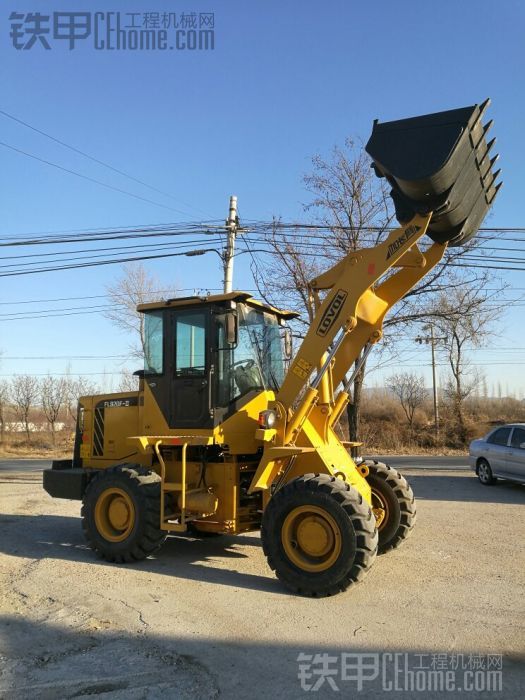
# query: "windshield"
{"type": "Point", "coordinates": [256, 362]}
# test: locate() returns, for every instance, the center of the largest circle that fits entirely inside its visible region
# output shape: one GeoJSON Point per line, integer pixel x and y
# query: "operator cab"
{"type": "Point", "coordinates": [206, 356]}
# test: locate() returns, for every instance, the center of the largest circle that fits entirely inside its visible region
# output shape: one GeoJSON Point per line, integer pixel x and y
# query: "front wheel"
{"type": "Point", "coordinates": [484, 473]}
{"type": "Point", "coordinates": [319, 535]}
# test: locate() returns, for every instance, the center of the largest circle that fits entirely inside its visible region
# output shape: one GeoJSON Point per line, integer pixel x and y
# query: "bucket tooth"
{"type": "Point", "coordinates": [488, 126]}
{"type": "Point", "coordinates": [483, 107]}
{"type": "Point", "coordinates": [490, 144]}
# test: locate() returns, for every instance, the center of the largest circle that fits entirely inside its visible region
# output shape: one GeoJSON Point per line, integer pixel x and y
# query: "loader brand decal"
{"type": "Point", "coordinates": [403, 238]}
{"type": "Point", "coordinates": [118, 403]}
{"type": "Point", "coordinates": [332, 312]}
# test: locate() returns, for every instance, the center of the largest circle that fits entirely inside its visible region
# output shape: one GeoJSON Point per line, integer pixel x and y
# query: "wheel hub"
{"type": "Point", "coordinates": [315, 536]}
{"type": "Point", "coordinates": [311, 538]}
{"type": "Point", "coordinates": [380, 509]}
{"type": "Point", "coordinates": [119, 513]}
{"type": "Point", "coordinates": [114, 514]}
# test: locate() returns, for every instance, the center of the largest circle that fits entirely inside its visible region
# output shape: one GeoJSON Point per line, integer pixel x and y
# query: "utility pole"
{"type": "Point", "coordinates": [432, 340]}
{"type": "Point", "coordinates": [434, 383]}
{"type": "Point", "coordinates": [232, 226]}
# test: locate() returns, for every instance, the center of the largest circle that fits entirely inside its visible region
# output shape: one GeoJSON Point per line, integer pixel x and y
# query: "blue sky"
{"type": "Point", "coordinates": [285, 81]}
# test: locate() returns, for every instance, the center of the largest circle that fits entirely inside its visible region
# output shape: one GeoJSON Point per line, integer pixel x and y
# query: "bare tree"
{"type": "Point", "coordinates": [135, 286]}
{"type": "Point", "coordinates": [53, 391]}
{"type": "Point", "coordinates": [409, 388]}
{"type": "Point", "coordinates": [128, 381]}
{"type": "Point", "coordinates": [4, 398]}
{"type": "Point", "coordinates": [353, 208]}
{"type": "Point", "coordinates": [464, 316]}
{"type": "Point", "coordinates": [75, 388]}
{"type": "Point", "coordinates": [24, 395]}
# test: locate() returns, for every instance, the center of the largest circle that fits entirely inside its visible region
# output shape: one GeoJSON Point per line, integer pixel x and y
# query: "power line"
{"type": "Point", "coordinates": [105, 296]}
{"type": "Point", "coordinates": [134, 249]}
{"type": "Point", "coordinates": [58, 315]}
{"type": "Point", "coordinates": [159, 229]}
{"type": "Point", "coordinates": [116, 234]}
{"type": "Point", "coordinates": [96, 160]}
{"type": "Point", "coordinates": [106, 232]}
{"type": "Point", "coordinates": [89, 179]}
{"type": "Point", "coordinates": [71, 357]}
{"type": "Point", "coordinates": [93, 264]}
{"type": "Point", "coordinates": [99, 307]}
{"type": "Point", "coordinates": [67, 374]}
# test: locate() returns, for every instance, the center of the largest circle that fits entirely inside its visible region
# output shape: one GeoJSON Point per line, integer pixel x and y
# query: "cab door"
{"type": "Point", "coordinates": [496, 449]}
{"type": "Point", "coordinates": [515, 463]}
{"type": "Point", "coordinates": [191, 380]}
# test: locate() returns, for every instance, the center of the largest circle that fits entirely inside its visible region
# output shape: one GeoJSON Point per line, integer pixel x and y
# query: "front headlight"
{"type": "Point", "coordinates": [267, 419]}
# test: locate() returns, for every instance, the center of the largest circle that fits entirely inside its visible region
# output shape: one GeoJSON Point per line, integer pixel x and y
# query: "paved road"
{"type": "Point", "coordinates": [423, 462]}
{"type": "Point", "coordinates": [397, 461]}
{"type": "Point", "coordinates": [204, 619]}
{"type": "Point", "coordinates": [24, 465]}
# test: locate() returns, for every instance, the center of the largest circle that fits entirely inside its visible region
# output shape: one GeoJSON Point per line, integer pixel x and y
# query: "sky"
{"type": "Point", "coordinates": [284, 81]}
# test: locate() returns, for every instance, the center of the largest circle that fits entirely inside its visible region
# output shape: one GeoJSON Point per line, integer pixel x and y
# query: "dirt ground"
{"type": "Point", "coordinates": [207, 618]}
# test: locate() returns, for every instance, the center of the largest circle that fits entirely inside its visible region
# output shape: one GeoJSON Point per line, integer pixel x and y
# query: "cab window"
{"type": "Point", "coordinates": [190, 345]}
{"type": "Point", "coordinates": [153, 342]}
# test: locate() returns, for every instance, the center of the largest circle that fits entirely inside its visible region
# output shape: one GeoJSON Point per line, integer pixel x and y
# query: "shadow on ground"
{"type": "Point", "coordinates": [190, 558]}
{"type": "Point", "coordinates": [466, 488]}
{"type": "Point", "coordinates": [184, 557]}
{"type": "Point", "coordinates": [53, 661]}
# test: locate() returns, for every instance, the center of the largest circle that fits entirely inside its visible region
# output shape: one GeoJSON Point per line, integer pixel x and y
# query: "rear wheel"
{"type": "Point", "coordinates": [392, 493]}
{"type": "Point", "coordinates": [319, 535]}
{"type": "Point", "coordinates": [484, 473]}
{"type": "Point", "coordinates": [121, 513]}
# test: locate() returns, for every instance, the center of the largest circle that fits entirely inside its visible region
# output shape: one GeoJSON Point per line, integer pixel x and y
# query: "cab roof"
{"type": "Point", "coordinates": [236, 296]}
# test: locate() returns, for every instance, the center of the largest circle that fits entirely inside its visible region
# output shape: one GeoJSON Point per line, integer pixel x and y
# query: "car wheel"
{"type": "Point", "coordinates": [484, 473]}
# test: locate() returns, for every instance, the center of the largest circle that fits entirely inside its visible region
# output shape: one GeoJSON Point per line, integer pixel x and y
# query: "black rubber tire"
{"type": "Point", "coordinates": [356, 523]}
{"type": "Point", "coordinates": [485, 475]}
{"type": "Point", "coordinates": [399, 498]}
{"type": "Point", "coordinates": [143, 487]}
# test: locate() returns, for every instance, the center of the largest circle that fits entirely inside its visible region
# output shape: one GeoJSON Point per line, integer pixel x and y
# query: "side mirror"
{"type": "Point", "coordinates": [231, 329]}
{"type": "Point", "coordinates": [288, 344]}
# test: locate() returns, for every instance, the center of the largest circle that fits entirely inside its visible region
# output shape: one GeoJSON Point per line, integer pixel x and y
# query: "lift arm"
{"type": "Point", "coordinates": [352, 313]}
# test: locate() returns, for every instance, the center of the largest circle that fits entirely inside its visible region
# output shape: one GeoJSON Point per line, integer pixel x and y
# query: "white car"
{"type": "Point", "coordinates": [500, 454]}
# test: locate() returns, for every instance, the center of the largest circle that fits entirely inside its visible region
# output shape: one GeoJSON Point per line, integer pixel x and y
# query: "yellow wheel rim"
{"type": "Point", "coordinates": [114, 515]}
{"type": "Point", "coordinates": [380, 509]}
{"type": "Point", "coordinates": [311, 538]}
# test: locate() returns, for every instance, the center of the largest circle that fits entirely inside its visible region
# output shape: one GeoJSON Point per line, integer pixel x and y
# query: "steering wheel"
{"type": "Point", "coordinates": [247, 363]}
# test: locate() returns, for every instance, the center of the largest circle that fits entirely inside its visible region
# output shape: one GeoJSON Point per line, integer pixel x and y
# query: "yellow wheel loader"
{"type": "Point", "coordinates": [220, 438]}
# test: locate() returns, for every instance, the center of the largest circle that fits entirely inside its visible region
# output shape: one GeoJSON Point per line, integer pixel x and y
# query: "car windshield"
{"type": "Point", "coordinates": [256, 362]}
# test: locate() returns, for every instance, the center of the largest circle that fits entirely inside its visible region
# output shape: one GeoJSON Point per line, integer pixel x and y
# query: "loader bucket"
{"type": "Point", "coordinates": [441, 163]}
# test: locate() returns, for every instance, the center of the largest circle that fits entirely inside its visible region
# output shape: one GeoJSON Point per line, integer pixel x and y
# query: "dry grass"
{"type": "Point", "coordinates": [39, 446]}
{"type": "Point", "coordinates": [384, 429]}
